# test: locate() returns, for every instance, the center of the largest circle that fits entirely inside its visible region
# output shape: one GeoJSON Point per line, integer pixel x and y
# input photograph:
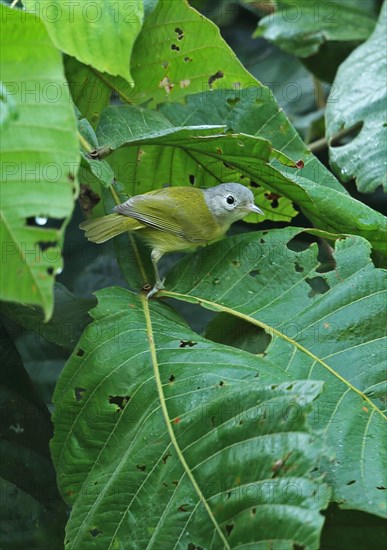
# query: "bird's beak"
{"type": "Point", "coordinates": [254, 208]}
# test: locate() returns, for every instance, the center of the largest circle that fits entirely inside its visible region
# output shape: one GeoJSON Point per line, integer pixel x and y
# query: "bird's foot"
{"type": "Point", "coordinates": [158, 286]}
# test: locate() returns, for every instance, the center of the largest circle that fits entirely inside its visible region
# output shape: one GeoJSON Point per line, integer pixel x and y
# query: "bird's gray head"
{"type": "Point", "coordinates": [230, 202]}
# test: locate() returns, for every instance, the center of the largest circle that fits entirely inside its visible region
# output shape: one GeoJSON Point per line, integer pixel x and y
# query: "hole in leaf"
{"type": "Point", "coordinates": [80, 352]}
{"type": "Point", "coordinates": [345, 136]}
{"type": "Point", "coordinates": [238, 333]}
{"type": "Point", "coordinates": [229, 528]}
{"type": "Point", "coordinates": [318, 286]}
{"type": "Point", "coordinates": [299, 243]}
{"type": "Point", "coordinates": [180, 34]}
{"type": "Point", "coordinates": [297, 546]}
{"type": "Point", "coordinates": [232, 101]}
{"type": "Point", "coordinates": [166, 456]}
{"type": "Point", "coordinates": [351, 482]}
{"type": "Point", "coordinates": [183, 508]}
{"type": "Point", "coordinates": [192, 546]}
{"type": "Point", "coordinates": [187, 59]}
{"type": "Point", "coordinates": [221, 383]}
{"type": "Point", "coordinates": [254, 272]}
{"type": "Point", "coordinates": [254, 511]}
{"type": "Point", "coordinates": [262, 241]}
{"type": "Point", "coordinates": [172, 378]}
{"type": "Point", "coordinates": [274, 203]}
{"type": "Point", "coordinates": [298, 267]}
{"type": "Point", "coordinates": [185, 343]}
{"type": "Point", "coordinates": [95, 532]}
{"type": "Point", "coordinates": [44, 222]}
{"type": "Point", "coordinates": [50, 270]}
{"type": "Point", "coordinates": [254, 184]}
{"type": "Point", "coordinates": [164, 64]}
{"type": "Point", "coordinates": [325, 257]}
{"type": "Point", "coordinates": [120, 400]}
{"type": "Point", "coordinates": [141, 467]}
{"type": "Point", "coordinates": [213, 423]}
{"type": "Point", "coordinates": [214, 77]}
{"type": "Point", "coordinates": [381, 488]}
{"type": "Point", "coordinates": [236, 263]}
{"type": "Point", "coordinates": [79, 393]}
{"type": "Point", "coordinates": [43, 245]}
{"type": "Point", "coordinates": [192, 179]}
{"type": "Point", "coordinates": [174, 47]}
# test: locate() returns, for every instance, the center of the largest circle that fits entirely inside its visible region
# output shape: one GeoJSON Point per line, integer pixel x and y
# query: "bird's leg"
{"type": "Point", "coordinates": [159, 284]}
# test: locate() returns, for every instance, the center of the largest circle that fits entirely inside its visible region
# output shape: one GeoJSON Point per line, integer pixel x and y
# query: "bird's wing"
{"type": "Point", "coordinates": [155, 210]}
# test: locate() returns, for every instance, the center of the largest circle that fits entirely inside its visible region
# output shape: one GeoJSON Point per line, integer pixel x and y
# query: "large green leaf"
{"type": "Point", "coordinates": [99, 33]}
{"type": "Point", "coordinates": [8, 110]}
{"type": "Point", "coordinates": [322, 198]}
{"type": "Point", "coordinates": [162, 154]}
{"type": "Point", "coordinates": [361, 98]}
{"type": "Point", "coordinates": [156, 152]}
{"type": "Point", "coordinates": [300, 27]}
{"type": "Point", "coordinates": [39, 158]}
{"type": "Point", "coordinates": [252, 111]}
{"type": "Point", "coordinates": [323, 325]}
{"type": "Point", "coordinates": [178, 52]}
{"type": "Point", "coordinates": [163, 439]}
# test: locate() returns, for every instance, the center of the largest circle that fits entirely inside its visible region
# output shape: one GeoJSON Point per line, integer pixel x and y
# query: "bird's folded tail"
{"type": "Point", "coordinates": [99, 230]}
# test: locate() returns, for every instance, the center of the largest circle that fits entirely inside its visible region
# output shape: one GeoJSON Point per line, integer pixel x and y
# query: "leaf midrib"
{"type": "Point", "coordinates": [171, 433]}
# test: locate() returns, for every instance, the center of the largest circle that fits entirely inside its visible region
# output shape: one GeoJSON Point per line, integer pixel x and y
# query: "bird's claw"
{"type": "Point", "coordinates": [158, 286]}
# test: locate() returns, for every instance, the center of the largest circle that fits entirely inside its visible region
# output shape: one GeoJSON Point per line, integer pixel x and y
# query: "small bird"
{"type": "Point", "coordinates": [175, 218]}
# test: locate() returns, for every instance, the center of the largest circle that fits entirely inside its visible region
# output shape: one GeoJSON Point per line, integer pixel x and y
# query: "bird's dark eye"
{"type": "Point", "coordinates": [230, 199]}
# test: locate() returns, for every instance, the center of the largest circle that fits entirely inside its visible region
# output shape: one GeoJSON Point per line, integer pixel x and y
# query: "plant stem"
{"type": "Point", "coordinates": [321, 144]}
{"type": "Point", "coordinates": [85, 144]}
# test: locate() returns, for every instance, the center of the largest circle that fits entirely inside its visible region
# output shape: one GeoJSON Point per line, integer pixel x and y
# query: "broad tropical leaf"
{"type": "Point", "coordinates": [324, 201]}
{"type": "Point", "coordinates": [301, 27]}
{"type": "Point", "coordinates": [39, 159]}
{"type": "Point", "coordinates": [178, 52]}
{"type": "Point", "coordinates": [164, 439]}
{"type": "Point", "coordinates": [100, 33]}
{"type": "Point", "coordinates": [361, 99]}
{"type": "Point", "coordinates": [154, 153]}
{"type": "Point", "coordinates": [324, 325]}
{"type": "Point", "coordinates": [161, 154]}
